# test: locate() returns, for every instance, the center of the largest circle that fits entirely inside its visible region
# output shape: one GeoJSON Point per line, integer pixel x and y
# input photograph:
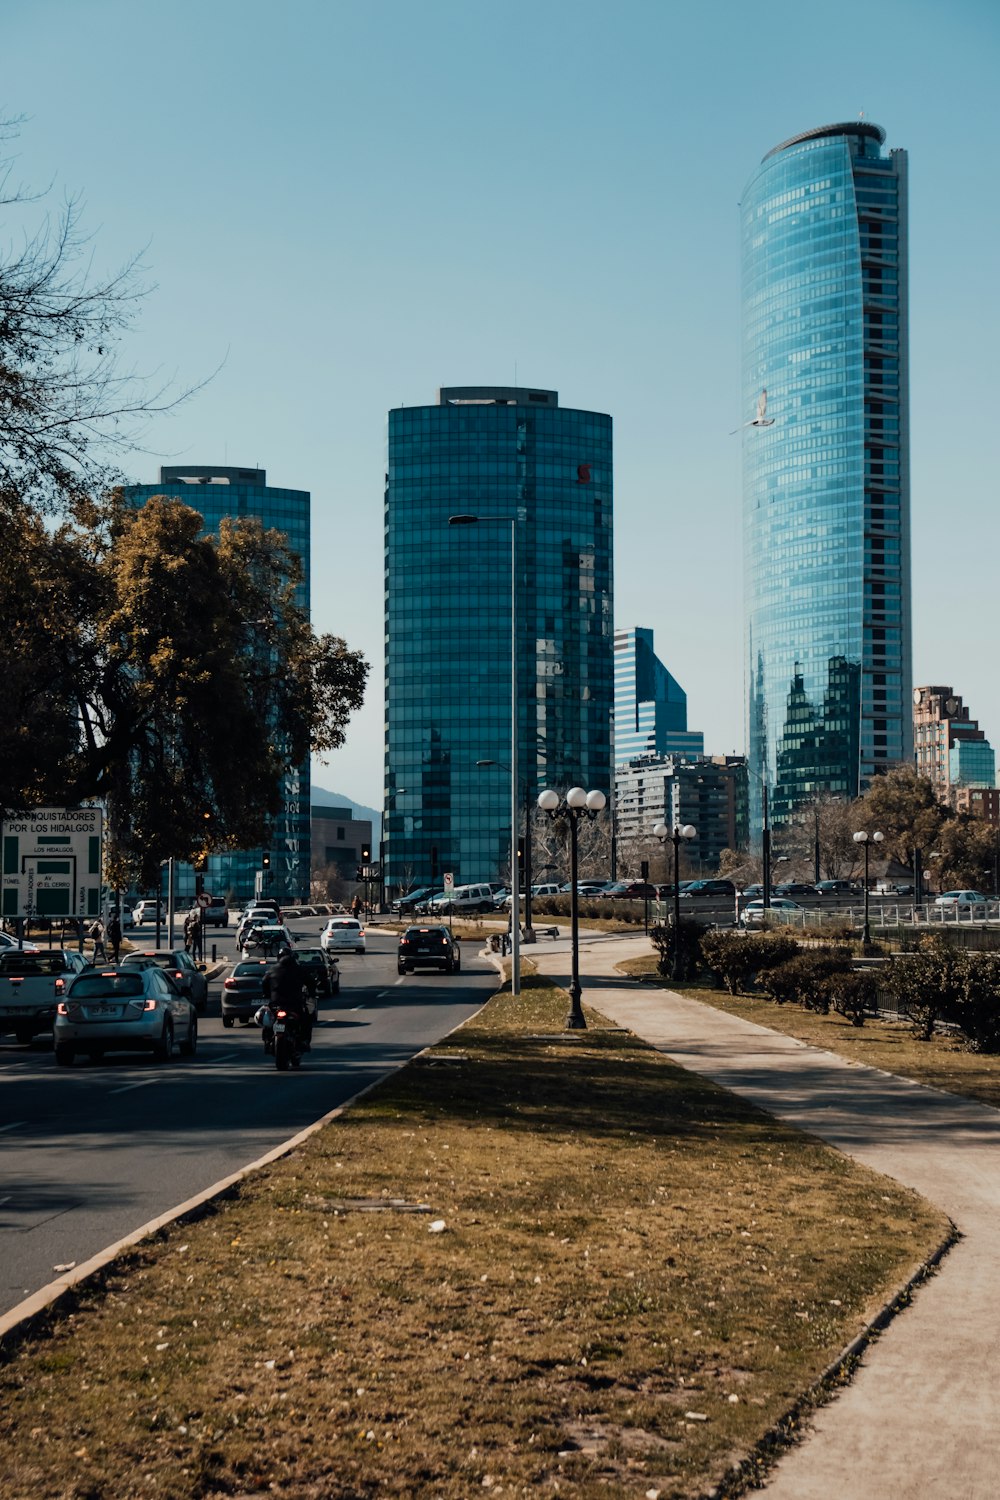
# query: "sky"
{"type": "Point", "coordinates": [342, 206]}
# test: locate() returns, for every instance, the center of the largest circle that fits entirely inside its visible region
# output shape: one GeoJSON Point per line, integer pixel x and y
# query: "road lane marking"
{"type": "Point", "coordinates": [15, 1125]}
{"type": "Point", "coordinates": [141, 1084]}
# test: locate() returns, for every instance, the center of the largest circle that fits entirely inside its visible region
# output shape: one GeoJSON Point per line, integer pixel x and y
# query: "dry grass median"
{"type": "Point", "coordinates": [637, 1274]}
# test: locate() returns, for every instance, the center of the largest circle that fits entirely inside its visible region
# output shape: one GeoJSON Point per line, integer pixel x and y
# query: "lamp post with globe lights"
{"type": "Point", "coordinates": [681, 833]}
{"type": "Point", "coordinates": [577, 804]}
{"type": "Point", "coordinates": [867, 839]}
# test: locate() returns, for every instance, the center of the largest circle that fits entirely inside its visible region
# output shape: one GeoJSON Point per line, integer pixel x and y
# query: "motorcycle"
{"type": "Point", "coordinates": [288, 1040]}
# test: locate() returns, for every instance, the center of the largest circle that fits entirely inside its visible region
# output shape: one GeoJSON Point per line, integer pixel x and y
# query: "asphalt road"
{"type": "Point", "coordinates": [90, 1153]}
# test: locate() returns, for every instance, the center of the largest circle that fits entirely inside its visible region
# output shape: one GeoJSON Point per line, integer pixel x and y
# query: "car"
{"type": "Point", "coordinates": [794, 888]}
{"type": "Point", "coordinates": [585, 888]}
{"type": "Point", "coordinates": [633, 890]}
{"type": "Point", "coordinates": [343, 933]}
{"type": "Point", "coordinates": [754, 892]}
{"type": "Point", "coordinates": [264, 939]}
{"type": "Point", "coordinates": [147, 912]}
{"type": "Point", "coordinates": [961, 900]}
{"type": "Point", "coordinates": [215, 912]}
{"type": "Point", "coordinates": [32, 982]}
{"type": "Point", "coordinates": [188, 976]}
{"type": "Point", "coordinates": [138, 1009]}
{"type": "Point", "coordinates": [6, 941]}
{"type": "Point", "coordinates": [243, 990]}
{"type": "Point", "coordinates": [427, 947]}
{"type": "Point", "coordinates": [321, 968]}
{"type": "Point", "coordinates": [125, 915]}
{"type": "Point", "coordinates": [413, 899]}
{"type": "Point", "coordinates": [703, 888]}
{"type": "Point", "coordinates": [755, 913]}
{"type": "Point", "coordinates": [463, 898]}
{"type": "Point", "coordinates": [835, 888]}
{"type": "Point", "coordinates": [545, 888]}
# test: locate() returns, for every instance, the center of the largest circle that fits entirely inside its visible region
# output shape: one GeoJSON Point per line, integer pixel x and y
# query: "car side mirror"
{"type": "Point", "coordinates": [202, 968]}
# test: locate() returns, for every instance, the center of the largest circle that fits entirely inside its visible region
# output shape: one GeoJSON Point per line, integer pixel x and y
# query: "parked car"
{"type": "Point", "coordinates": [464, 898]}
{"type": "Point", "coordinates": [32, 983]}
{"type": "Point", "coordinates": [6, 941]}
{"type": "Point", "coordinates": [962, 900]}
{"type": "Point", "coordinates": [585, 888]}
{"type": "Point", "coordinates": [835, 888]}
{"type": "Point", "coordinates": [755, 913]}
{"type": "Point", "coordinates": [138, 1009]}
{"type": "Point", "coordinates": [754, 893]}
{"type": "Point", "coordinates": [412, 899]}
{"type": "Point", "coordinates": [343, 934]}
{"type": "Point", "coordinates": [794, 888]}
{"type": "Point", "coordinates": [702, 888]}
{"type": "Point", "coordinates": [321, 968]}
{"type": "Point", "coordinates": [125, 915]}
{"type": "Point", "coordinates": [243, 989]}
{"type": "Point", "coordinates": [188, 976]}
{"type": "Point", "coordinates": [428, 947]}
{"type": "Point", "coordinates": [145, 913]}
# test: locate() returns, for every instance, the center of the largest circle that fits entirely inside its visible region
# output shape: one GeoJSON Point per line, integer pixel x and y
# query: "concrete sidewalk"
{"type": "Point", "coordinates": [921, 1419]}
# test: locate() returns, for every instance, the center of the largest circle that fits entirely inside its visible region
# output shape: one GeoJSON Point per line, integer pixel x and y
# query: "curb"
{"type": "Point", "coordinates": [751, 1472]}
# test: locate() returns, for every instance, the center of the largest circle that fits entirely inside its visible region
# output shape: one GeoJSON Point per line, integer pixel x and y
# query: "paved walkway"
{"type": "Point", "coordinates": [921, 1420]}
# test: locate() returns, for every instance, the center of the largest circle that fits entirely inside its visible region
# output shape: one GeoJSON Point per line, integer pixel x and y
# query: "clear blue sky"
{"type": "Point", "coordinates": [354, 203]}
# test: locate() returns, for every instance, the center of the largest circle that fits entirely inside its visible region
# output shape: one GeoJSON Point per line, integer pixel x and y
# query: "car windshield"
{"type": "Point", "coordinates": [164, 960]}
{"type": "Point", "coordinates": [106, 986]}
{"type": "Point", "coordinates": [256, 966]}
{"type": "Point", "coordinates": [344, 926]}
{"type": "Point", "coordinates": [311, 957]}
{"type": "Point", "coordinates": [424, 934]}
{"type": "Point", "coordinates": [24, 964]}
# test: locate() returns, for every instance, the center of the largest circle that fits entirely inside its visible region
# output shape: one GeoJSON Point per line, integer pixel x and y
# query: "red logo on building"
{"type": "Point", "coordinates": [583, 473]}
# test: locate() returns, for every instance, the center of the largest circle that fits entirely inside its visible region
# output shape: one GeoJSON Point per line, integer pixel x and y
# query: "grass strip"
{"type": "Point", "coordinates": [594, 1274]}
{"type": "Point", "coordinates": [944, 1062]}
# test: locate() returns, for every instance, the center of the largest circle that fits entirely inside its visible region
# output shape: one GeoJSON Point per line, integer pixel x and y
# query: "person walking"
{"type": "Point", "coordinates": [96, 933]}
{"type": "Point", "coordinates": [115, 936]}
{"type": "Point", "coordinates": [188, 924]}
{"type": "Point", "coordinates": [197, 935]}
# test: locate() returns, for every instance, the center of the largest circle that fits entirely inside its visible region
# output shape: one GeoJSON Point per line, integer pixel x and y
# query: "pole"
{"type": "Point", "coordinates": [765, 837]}
{"type": "Point", "coordinates": [676, 966]}
{"type": "Point", "coordinates": [575, 1021]}
{"type": "Point", "coordinates": [529, 936]}
{"type": "Point", "coordinates": [170, 902]}
{"type": "Point", "coordinates": [866, 936]}
{"type": "Point", "coordinates": [515, 905]}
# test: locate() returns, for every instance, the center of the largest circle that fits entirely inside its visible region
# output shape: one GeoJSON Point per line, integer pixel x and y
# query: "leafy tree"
{"type": "Point", "coordinates": [903, 806]}
{"type": "Point", "coordinates": [184, 679]}
{"type": "Point", "coordinates": [968, 848]}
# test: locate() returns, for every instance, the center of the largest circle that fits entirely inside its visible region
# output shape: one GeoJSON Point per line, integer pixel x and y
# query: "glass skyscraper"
{"type": "Point", "coordinates": [650, 704]}
{"type": "Point", "coordinates": [217, 493]}
{"type": "Point", "coordinates": [826, 466]}
{"type": "Point", "coordinates": [502, 454]}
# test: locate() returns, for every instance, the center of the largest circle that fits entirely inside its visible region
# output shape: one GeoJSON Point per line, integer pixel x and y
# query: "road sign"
{"type": "Point", "coordinates": [449, 883]}
{"type": "Point", "coordinates": [52, 863]}
{"type": "Point", "coordinates": [203, 899]}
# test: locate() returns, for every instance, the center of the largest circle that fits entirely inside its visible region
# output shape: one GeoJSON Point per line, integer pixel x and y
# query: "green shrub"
{"type": "Point", "coordinates": [691, 934]}
{"type": "Point", "coordinates": [737, 959]}
{"type": "Point", "coordinates": [802, 980]}
{"type": "Point", "coordinates": [928, 985]}
{"type": "Point", "coordinates": [977, 1009]}
{"type": "Point", "coordinates": [852, 994]}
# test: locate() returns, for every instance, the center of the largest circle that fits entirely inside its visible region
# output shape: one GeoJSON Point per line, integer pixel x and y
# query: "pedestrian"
{"type": "Point", "coordinates": [197, 934]}
{"type": "Point", "coordinates": [188, 925]}
{"type": "Point", "coordinates": [96, 932]}
{"type": "Point", "coordinates": [356, 907]}
{"type": "Point", "coordinates": [115, 936]}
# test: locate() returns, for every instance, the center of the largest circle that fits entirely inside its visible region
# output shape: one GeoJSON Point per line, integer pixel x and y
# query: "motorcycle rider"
{"type": "Point", "coordinates": [283, 988]}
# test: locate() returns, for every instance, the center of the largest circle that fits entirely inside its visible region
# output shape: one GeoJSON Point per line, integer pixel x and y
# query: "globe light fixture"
{"type": "Point", "coordinates": [682, 833]}
{"type": "Point", "coordinates": [578, 803]}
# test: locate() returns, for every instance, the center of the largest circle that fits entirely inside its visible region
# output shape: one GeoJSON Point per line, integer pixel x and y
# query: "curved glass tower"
{"type": "Point", "coordinates": [825, 467]}
{"type": "Point", "coordinates": [501, 454]}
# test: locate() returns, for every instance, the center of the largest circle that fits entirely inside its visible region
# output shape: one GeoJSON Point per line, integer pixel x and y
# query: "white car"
{"type": "Point", "coordinates": [145, 911]}
{"type": "Point", "coordinates": [963, 900]}
{"type": "Point", "coordinates": [755, 913]}
{"type": "Point", "coordinates": [343, 934]}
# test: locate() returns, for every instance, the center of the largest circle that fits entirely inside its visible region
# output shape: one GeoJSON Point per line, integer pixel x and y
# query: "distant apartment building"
{"type": "Point", "coordinates": [650, 704]}
{"type": "Point", "coordinates": [708, 792]}
{"type": "Point", "coordinates": [950, 749]}
{"type": "Point", "coordinates": [339, 839]}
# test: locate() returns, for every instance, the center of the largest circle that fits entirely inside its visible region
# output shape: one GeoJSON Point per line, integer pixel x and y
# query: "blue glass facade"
{"type": "Point", "coordinates": [650, 704]}
{"type": "Point", "coordinates": [502, 454]}
{"type": "Point", "coordinates": [826, 468]}
{"type": "Point", "coordinates": [217, 493]}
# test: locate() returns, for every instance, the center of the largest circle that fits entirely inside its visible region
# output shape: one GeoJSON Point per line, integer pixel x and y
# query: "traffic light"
{"type": "Point", "coordinates": [265, 860]}
{"type": "Point", "coordinates": [201, 862]}
{"type": "Point", "coordinates": [199, 885]}
{"type": "Point", "coordinates": [434, 862]}
{"type": "Point", "coordinates": [520, 860]}
{"type": "Point", "coordinates": [366, 854]}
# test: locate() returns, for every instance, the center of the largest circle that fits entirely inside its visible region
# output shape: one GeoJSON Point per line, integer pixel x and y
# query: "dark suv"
{"type": "Point", "coordinates": [428, 948]}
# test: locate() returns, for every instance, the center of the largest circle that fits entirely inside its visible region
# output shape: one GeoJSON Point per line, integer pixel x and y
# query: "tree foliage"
{"type": "Point", "coordinates": [171, 674]}
{"type": "Point", "coordinates": [903, 807]}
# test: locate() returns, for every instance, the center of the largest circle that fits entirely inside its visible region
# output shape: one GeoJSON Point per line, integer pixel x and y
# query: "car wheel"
{"type": "Point", "coordinates": [65, 1054]}
{"type": "Point", "coordinates": [229, 1022]}
{"type": "Point", "coordinates": [401, 968]}
{"type": "Point", "coordinates": [189, 1046]}
{"type": "Point", "coordinates": [164, 1048]}
{"type": "Point", "coordinates": [25, 1035]}
{"type": "Point", "coordinates": [457, 968]}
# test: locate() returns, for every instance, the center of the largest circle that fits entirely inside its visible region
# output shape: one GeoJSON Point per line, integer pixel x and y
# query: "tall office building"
{"type": "Point", "coordinates": [539, 474]}
{"type": "Point", "coordinates": [950, 748]}
{"type": "Point", "coordinates": [650, 704]}
{"type": "Point", "coordinates": [217, 493]}
{"type": "Point", "coordinates": [826, 466]}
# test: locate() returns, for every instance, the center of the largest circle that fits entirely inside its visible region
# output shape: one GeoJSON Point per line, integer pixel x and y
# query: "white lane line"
{"type": "Point", "coordinates": [15, 1125]}
{"type": "Point", "coordinates": [142, 1084]}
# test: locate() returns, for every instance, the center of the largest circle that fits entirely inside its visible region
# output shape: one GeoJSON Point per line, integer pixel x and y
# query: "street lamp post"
{"type": "Point", "coordinates": [576, 805]}
{"type": "Point", "coordinates": [515, 904]}
{"type": "Point", "coordinates": [682, 832]}
{"type": "Point", "coordinates": [528, 935]}
{"type": "Point", "coordinates": [390, 804]}
{"type": "Point", "coordinates": [867, 839]}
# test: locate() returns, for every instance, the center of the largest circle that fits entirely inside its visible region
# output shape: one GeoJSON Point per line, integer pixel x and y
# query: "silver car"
{"type": "Point", "coordinates": [138, 1009]}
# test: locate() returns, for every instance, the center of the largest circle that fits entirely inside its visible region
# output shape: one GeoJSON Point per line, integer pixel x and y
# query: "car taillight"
{"type": "Point", "coordinates": [60, 986]}
{"type": "Point", "coordinates": [62, 1009]}
{"type": "Point", "coordinates": [178, 974]}
{"type": "Point", "coordinates": [149, 1004]}
{"type": "Point", "coordinates": [229, 984]}
{"type": "Point", "coordinates": [282, 1015]}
